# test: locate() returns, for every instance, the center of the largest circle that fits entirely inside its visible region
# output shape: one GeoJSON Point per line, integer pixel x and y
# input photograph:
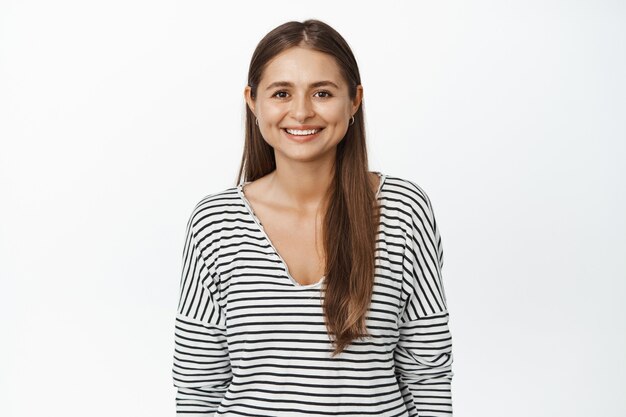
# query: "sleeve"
{"type": "Point", "coordinates": [201, 370]}
{"type": "Point", "coordinates": [423, 354]}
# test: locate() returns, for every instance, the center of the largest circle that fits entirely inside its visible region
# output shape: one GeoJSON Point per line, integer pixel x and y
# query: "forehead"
{"type": "Point", "coordinates": [301, 66]}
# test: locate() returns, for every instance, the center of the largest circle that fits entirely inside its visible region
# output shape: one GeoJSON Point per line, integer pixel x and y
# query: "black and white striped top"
{"type": "Point", "coordinates": [251, 341]}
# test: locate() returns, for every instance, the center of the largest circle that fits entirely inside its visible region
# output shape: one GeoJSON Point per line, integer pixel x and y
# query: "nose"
{"type": "Point", "coordinates": [302, 108]}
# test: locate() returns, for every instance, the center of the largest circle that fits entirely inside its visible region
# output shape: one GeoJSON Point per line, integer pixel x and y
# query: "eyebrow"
{"type": "Point", "coordinates": [312, 85]}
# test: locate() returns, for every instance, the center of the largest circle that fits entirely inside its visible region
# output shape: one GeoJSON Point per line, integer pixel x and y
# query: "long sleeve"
{"type": "Point", "coordinates": [423, 354]}
{"type": "Point", "coordinates": [201, 367]}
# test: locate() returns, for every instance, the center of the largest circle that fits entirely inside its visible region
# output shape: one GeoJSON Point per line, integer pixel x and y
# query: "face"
{"type": "Point", "coordinates": [303, 90]}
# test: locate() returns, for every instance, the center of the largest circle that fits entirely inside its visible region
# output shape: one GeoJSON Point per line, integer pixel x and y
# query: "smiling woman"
{"type": "Point", "coordinates": [303, 98]}
{"type": "Point", "coordinates": [312, 287]}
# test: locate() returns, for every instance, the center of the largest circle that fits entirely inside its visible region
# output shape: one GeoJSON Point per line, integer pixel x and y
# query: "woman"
{"type": "Point", "coordinates": [313, 287]}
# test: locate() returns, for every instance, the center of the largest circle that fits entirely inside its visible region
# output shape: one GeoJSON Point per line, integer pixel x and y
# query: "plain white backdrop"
{"type": "Point", "coordinates": [117, 117]}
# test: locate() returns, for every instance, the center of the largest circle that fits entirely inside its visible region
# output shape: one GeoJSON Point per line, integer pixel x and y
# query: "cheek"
{"type": "Point", "coordinates": [270, 113]}
{"type": "Point", "coordinates": [335, 113]}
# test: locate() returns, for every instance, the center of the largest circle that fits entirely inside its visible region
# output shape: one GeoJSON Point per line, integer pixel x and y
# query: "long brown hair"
{"type": "Point", "coordinates": [352, 213]}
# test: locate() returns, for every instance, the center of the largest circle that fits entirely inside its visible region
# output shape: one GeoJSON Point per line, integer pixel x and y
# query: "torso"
{"type": "Point", "coordinates": [296, 236]}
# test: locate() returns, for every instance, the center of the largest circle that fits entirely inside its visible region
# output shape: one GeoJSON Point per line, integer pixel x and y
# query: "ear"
{"type": "Point", "coordinates": [247, 96]}
{"type": "Point", "coordinates": [357, 98]}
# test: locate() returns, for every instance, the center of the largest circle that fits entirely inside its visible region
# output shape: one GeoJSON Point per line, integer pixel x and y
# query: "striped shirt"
{"type": "Point", "coordinates": [251, 341]}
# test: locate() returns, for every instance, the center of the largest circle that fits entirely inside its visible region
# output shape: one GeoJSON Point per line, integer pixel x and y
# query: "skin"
{"type": "Point", "coordinates": [288, 201]}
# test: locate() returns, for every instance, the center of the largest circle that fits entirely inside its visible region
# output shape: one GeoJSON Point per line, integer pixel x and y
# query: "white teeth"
{"type": "Point", "coordinates": [302, 132]}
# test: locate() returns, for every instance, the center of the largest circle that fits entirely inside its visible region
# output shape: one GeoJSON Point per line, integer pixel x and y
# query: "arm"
{"type": "Point", "coordinates": [423, 355]}
{"type": "Point", "coordinates": [201, 369]}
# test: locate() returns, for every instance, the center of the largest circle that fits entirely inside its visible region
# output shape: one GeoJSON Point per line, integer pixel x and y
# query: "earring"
{"type": "Point", "coordinates": [256, 121]}
{"type": "Point", "coordinates": [350, 124]}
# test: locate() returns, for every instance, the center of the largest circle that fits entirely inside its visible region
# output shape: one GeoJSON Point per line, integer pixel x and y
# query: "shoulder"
{"type": "Point", "coordinates": [215, 206]}
{"type": "Point", "coordinates": [409, 193]}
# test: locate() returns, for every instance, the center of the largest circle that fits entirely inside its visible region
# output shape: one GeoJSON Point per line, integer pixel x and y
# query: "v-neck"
{"type": "Point", "coordinates": [269, 241]}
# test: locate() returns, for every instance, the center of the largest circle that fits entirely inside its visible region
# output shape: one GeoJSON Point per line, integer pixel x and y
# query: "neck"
{"type": "Point", "coordinates": [301, 185]}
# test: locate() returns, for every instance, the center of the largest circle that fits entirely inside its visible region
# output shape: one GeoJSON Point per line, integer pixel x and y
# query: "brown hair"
{"type": "Point", "coordinates": [352, 213]}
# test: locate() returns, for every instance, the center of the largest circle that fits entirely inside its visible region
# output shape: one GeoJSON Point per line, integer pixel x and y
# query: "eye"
{"type": "Point", "coordinates": [279, 92]}
{"type": "Point", "coordinates": [325, 92]}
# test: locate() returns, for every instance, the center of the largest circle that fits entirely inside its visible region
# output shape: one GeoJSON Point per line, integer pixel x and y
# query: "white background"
{"type": "Point", "coordinates": [117, 117]}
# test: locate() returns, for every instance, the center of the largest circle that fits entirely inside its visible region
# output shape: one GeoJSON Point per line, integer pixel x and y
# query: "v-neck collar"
{"type": "Point", "coordinates": [269, 241]}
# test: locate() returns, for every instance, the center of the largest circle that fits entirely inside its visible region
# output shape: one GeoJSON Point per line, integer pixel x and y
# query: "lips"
{"type": "Point", "coordinates": [300, 132]}
{"type": "Point", "coordinates": [302, 138]}
{"type": "Point", "coordinates": [304, 127]}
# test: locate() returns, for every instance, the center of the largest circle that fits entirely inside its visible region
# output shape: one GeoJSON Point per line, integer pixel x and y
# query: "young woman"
{"type": "Point", "coordinates": [313, 287]}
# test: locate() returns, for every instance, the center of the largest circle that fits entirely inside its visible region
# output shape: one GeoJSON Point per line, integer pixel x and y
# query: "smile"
{"type": "Point", "coordinates": [302, 132]}
{"type": "Point", "coordinates": [302, 135]}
